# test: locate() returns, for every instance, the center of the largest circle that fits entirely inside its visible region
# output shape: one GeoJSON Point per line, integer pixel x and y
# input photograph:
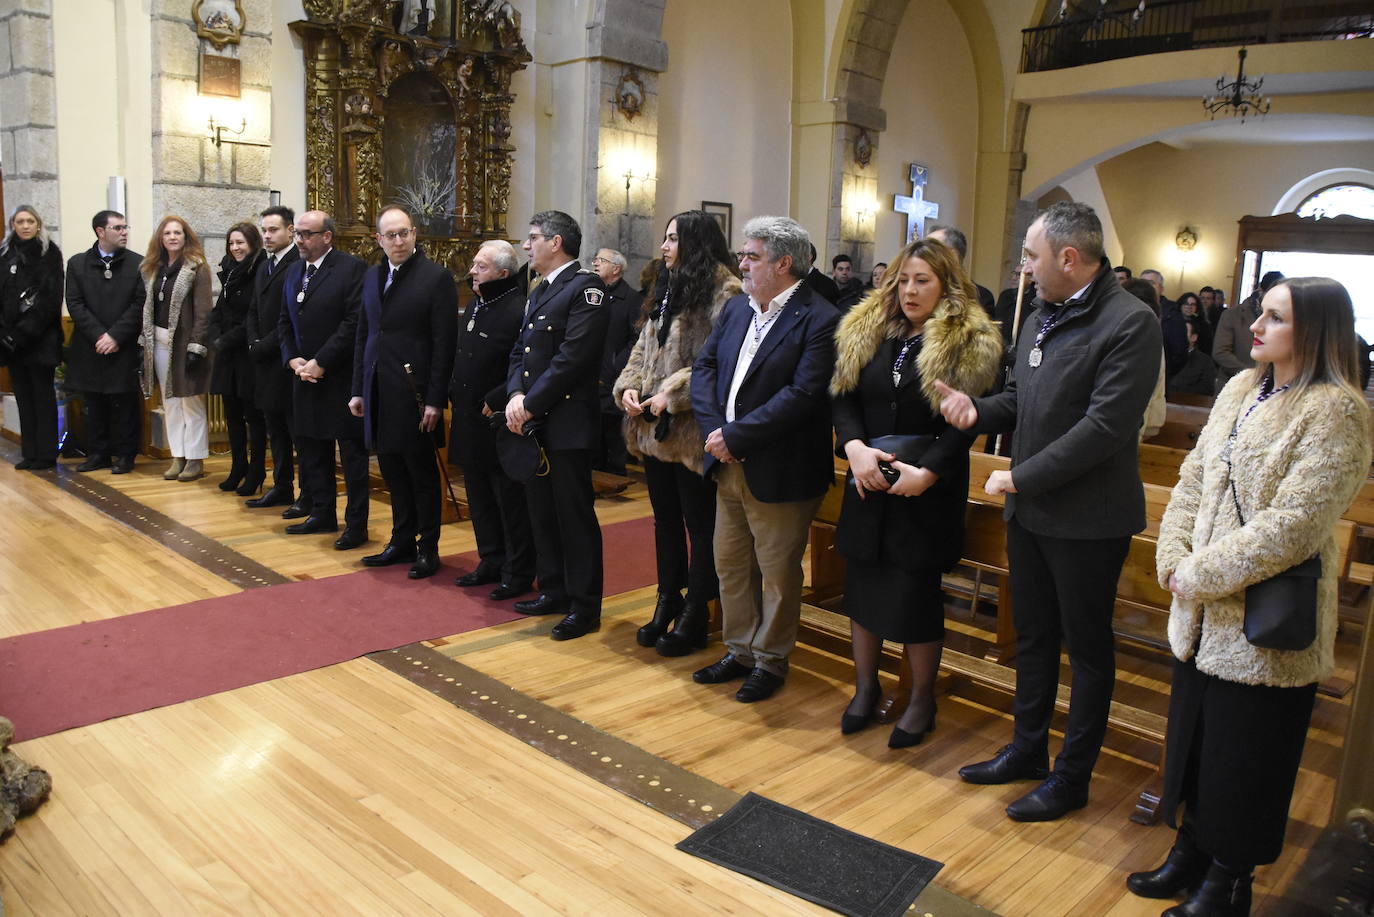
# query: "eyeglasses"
{"type": "Point", "coordinates": [535, 235]}
{"type": "Point", "coordinates": [308, 233]}
{"type": "Point", "coordinates": [602, 261]}
{"type": "Point", "coordinates": [119, 227]}
{"type": "Point", "coordinates": [397, 234]}
{"type": "Point", "coordinates": [751, 257]}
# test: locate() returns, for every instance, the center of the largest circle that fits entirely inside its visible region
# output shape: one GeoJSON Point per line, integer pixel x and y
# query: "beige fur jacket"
{"type": "Point", "coordinates": [1296, 467]}
{"type": "Point", "coordinates": [652, 369]}
{"type": "Point", "coordinates": [188, 319]}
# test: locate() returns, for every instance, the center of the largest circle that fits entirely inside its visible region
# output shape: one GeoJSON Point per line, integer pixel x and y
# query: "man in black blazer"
{"type": "Point", "coordinates": [272, 380]}
{"type": "Point", "coordinates": [552, 388]}
{"type": "Point", "coordinates": [500, 517]}
{"type": "Point", "coordinates": [404, 354]}
{"type": "Point", "coordinates": [321, 296]}
{"type": "Point", "coordinates": [1086, 364]}
{"type": "Point", "coordinates": [622, 310]}
{"type": "Point", "coordinates": [759, 390]}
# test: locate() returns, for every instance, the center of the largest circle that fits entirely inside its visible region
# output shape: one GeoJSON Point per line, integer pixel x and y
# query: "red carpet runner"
{"type": "Point", "coordinates": [74, 676]}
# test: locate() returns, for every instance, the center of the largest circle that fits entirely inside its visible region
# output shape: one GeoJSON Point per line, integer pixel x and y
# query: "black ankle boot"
{"type": "Point", "coordinates": [236, 473]}
{"type": "Point", "coordinates": [1181, 871]}
{"type": "Point", "coordinates": [688, 634]}
{"type": "Point", "coordinates": [1221, 894]}
{"type": "Point", "coordinates": [665, 613]}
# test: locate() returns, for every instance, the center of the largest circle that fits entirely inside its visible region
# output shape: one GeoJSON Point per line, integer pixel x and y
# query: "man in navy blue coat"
{"type": "Point", "coordinates": [759, 390]}
{"type": "Point", "coordinates": [404, 348]}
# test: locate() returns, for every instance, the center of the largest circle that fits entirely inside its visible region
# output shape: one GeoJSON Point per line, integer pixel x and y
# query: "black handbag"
{"type": "Point", "coordinates": [521, 457]}
{"type": "Point", "coordinates": [907, 448]}
{"type": "Point", "coordinates": [1281, 612]}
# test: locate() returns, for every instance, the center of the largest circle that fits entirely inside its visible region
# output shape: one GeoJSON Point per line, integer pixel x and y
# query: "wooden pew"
{"type": "Point", "coordinates": [1183, 424]}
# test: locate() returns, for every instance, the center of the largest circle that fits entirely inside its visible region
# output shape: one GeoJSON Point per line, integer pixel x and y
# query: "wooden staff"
{"type": "Point", "coordinates": [438, 459]}
{"type": "Point", "coordinates": [1015, 333]}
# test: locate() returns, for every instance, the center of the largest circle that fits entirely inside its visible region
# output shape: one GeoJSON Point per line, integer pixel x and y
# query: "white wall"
{"type": "Point", "coordinates": [725, 108]}
{"type": "Point", "coordinates": [931, 100]}
{"type": "Point", "coordinates": [288, 106]}
{"type": "Point", "coordinates": [85, 55]}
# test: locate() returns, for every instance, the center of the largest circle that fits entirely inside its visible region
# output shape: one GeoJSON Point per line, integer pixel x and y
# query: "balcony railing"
{"type": "Point", "coordinates": [1181, 25]}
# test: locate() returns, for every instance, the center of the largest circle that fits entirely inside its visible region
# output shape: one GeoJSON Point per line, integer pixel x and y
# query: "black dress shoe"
{"type": "Point", "coordinates": [689, 631]}
{"type": "Point", "coordinates": [576, 624]}
{"type": "Point", "coordinates": [1221, 894]}
{"type": "Point", "coordinates": [275, 496]}
{"type": "Point", "coordinates": [95, 463]}
{"type": "Point", "coordinates": [312, 525]}
{"type": "Point", "coordinates": [426, 564]}
{"type": "Point", "coordinates": [666, 611]}
{"type": "Point", "coordinates": [1054, 798]}
{"type": "Point", "coordinates": [542, 604]}
{"type": "Point", "coordinates": [900, 738]}
{"type": "Point", "coordinates": [760, 685]}
{"type": "Point", "coordinates": [24, 464]}
{"type": "Point", "coordinates": [1007, 765]}
{"type": "Point", "coordinates": [479, 577]}
{"type": "Point", "coordinates": [727, 668]}
{"type": "Point", "coordinates": [123, 465]}
{"type": "Point", "coordinates": [391, 554]}
{"type": "Point", "coordinates": [851, 723]}
{"type": "Point", "coordinates": [507, 591]}
{"type": "Point", "coordinates": [350, 539]}
{"type": "Point", "coordinates": [1183, 870]}
{"type": "Point", "coordinates": [296, 510]}
{"type": "Point", "coordinates": [41, 464]}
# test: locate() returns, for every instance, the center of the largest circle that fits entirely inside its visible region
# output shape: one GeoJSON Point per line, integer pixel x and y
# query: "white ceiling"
{"type": "Point", "coordinates": [1275, 128]}
{"type": "Point", "coordinates": [1274, 85]}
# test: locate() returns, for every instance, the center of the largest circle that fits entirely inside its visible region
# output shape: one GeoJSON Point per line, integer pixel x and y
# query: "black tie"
{"type": "Point", "coordinates": [271, 264]}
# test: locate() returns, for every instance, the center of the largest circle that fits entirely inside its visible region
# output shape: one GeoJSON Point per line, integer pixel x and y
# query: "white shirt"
{"type": "Point", "coordinates": [281, 254]}
{"type": "Point", "coordinates": [753, 336]}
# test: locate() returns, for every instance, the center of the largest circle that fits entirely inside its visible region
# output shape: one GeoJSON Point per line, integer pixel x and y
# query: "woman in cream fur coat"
{"type": "Point", "coordinates": [1293, 435]}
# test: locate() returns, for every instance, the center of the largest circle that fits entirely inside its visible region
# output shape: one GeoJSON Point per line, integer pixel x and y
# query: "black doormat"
{"type": "Point", "coordinates": [813, 859]}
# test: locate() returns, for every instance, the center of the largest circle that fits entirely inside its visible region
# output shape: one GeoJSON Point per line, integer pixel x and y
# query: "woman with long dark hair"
{"type": "Point", "coordinates": [232, 379]}
{"type": "Point", "coordinates": [902, 519]}
{"type": "Point", "coordinates": [176, 333]}
{"type": "Point", "coordinates": [31, 332]}
{"type": "Point", "coordinates": [654, 390]}
{"type": "Point", "coordinates": [1285, 449]}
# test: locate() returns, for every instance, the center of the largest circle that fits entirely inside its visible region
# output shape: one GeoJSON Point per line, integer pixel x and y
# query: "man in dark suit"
{"type": "Point", "coordinates": [105, 299]}
{"type": "Point", "coordinates": [500, 517]}
{"type": "Point", "coordinates": [759, 390]}
{"type": "Point", "coordinates": [1171, 324]}
{"type": "Point", "coordinates": [819, 281]}
{"type": "Point", "coordinates": [404, 354]}
{"type": "Point", "coordinates": [321, 297]}
{"type": "Point", "coordinates": [272, 380]}
{"type": "Point", "coordinates": [956, 240]}
{"type": "Point", "coordinates": [622, 307]}
{"type": "Point", "coordinates": [552, 386]}
{"type": "Point", "coordinates": [1086, 364]}
{"type": "Point", "coordinates": [849, 288]}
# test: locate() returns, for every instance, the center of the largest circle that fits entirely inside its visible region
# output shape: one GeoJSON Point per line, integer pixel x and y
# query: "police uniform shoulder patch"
{"type": "Point", "coordinates": [593, 296]}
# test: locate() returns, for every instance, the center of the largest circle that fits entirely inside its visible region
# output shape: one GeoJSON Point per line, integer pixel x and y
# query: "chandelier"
{"type": "Point", "coordinates": [1242, 96]}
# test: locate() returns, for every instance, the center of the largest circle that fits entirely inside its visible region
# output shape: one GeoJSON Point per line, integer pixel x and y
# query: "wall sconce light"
{"type": "Point", "coordinates": [1186, 240]}
{"type": "Point", "coordinates": [217, 132]}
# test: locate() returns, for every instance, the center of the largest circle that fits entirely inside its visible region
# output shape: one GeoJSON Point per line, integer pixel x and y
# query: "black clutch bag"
{"type": "Point", "coordinates": [521, 456]}
{"type": "Point", "coordinates": [1281, 612]}
{"type": "Point", "coordinates": [909, 449]}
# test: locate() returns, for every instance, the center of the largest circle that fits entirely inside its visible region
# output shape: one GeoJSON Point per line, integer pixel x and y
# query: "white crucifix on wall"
{"type": "Point", "coordinates": [916, 207]}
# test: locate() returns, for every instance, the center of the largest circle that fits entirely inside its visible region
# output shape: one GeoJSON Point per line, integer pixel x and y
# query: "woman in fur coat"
{"type": "Point", "coordinates": [1282, 455]}
{"type": "Point", "coordinates": [922, 324]}
{"type": "Point", "coordinates": [654, 390]}
{"type": "Point", "coordinates": [176, 323]}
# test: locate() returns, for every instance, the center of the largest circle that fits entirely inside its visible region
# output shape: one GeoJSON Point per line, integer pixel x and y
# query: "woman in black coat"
{"type": "Point", "coordinates": [922, 324]}
{"type": "Point", "coordinates": [31, 332]}
{"type": "Point", "coordinates": [233, 372]}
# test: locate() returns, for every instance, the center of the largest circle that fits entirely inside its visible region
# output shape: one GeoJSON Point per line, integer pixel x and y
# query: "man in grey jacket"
{"type": "Point", "coordinates": [1086, 363]}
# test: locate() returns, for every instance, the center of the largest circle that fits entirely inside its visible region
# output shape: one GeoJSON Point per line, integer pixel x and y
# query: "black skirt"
{"type": "Point", "coordinates": [1232, 757]}
{"type": "Point", "coordinates": [905, 606]}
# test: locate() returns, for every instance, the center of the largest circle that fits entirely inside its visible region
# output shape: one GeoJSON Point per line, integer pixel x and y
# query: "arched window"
{"type": "Point", "coordinates": [1334, 200]}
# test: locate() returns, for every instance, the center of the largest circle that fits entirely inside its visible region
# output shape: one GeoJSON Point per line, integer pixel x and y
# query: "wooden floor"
{"type": "Point", "coordinates": [348, 790]}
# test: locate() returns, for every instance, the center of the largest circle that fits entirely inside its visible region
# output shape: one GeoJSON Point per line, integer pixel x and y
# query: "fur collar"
{"type": "Point", "coordinates": [962, 347]}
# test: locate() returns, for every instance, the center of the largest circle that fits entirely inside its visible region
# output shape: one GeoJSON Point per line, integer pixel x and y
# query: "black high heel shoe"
{"type": "Point", "coordinates": [250, 486]}
{"type": "Point", "coordinates": [851, 723]}
{"type": "Point", "coordinates": [900, 738]}
{"type": "Point", "coordinates": [234, 480]}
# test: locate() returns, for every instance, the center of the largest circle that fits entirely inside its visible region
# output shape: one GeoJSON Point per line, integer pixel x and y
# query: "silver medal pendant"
{"type": "Point", "coordinates": [159, 296]}
{"type": "Point", "coordinates": [472, 323]}
{"type": "Point", "coordinates": [108, 274]}
{"type": "Point", "coordinates": [1035, 357]}
{"type": "Point", "coordinates": [300, 297]}
{"type": "Point", "coordinates": [14, 268]}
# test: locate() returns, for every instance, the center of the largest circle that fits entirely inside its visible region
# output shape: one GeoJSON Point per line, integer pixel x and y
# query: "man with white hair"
{"type": "Point", "coordinates": [622, 307]}
{"type": "Point", "coordinates": [486, 334]}
{"type": "Point", "coordinates": [760, 394]}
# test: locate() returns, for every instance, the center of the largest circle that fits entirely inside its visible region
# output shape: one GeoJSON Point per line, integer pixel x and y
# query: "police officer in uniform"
{"type": "Point", "coordinates": [553, 387]}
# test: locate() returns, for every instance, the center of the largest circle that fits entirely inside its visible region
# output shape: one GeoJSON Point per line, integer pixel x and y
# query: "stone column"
{"type": "Point", "coordinates": [28, 109]}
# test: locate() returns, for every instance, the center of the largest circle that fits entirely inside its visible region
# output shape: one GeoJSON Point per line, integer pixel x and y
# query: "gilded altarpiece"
{"type": "Point", "coordinates": [408, 102]}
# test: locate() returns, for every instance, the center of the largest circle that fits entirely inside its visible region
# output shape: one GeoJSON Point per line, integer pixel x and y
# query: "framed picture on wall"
{"type": "Point", "coordinates": [724, 214]}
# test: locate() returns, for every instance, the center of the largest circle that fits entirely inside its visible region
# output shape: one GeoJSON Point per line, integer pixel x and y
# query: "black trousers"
{"type": "Point", "coordinates": [317, 478]}
{"type": "Point", "coordinates": [1064, 591]}
{"type": "Point", "coordinates": [567, 536]}
{"type": "Point", "coordinates": [37, 402]}
{"type": "Point", "coordinates": [684, 506]}
{"type": "Point", "coordinates": [112, 421]}
{"type": "Point", "coordinates": [501, 523]}
{"type": "Point", "coordinates": [247, 429]}
{"type": "Point", "coordinates": [613, 454]}
{"type": "Point", "coordinates": [416, 496]}
{"type": "Point", "coordinates": [283, 462]}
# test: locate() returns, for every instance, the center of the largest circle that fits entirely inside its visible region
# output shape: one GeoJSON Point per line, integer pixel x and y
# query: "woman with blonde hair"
{"type": "Point", "coordinates": [31, 332]}
{"type": "Point", "coordinates": [902, 519]}
{"type": "Point", "coordinates": [176, 323]}
{"type": "Point", "coordinates": [1284, 451]}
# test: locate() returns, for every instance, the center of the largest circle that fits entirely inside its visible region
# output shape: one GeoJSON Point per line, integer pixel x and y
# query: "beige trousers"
{"type": "Point", "coordinates": [759, 548]}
